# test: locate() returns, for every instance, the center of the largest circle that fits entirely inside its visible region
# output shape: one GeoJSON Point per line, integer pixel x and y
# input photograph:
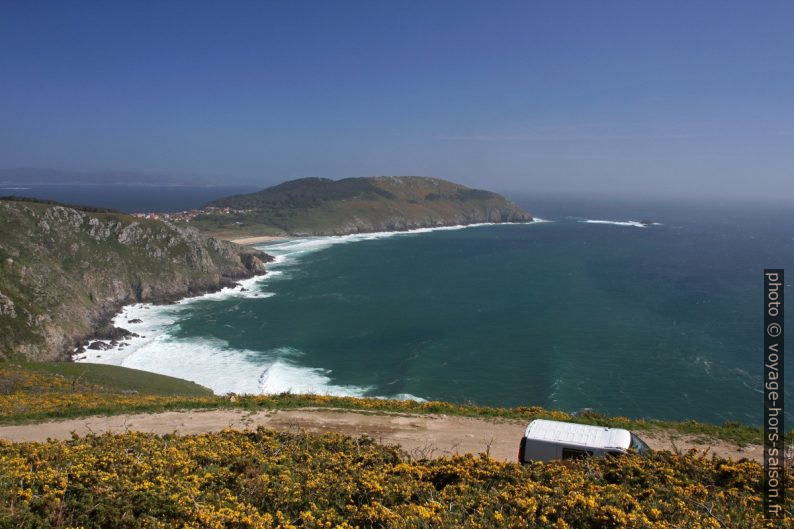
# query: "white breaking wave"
{"type": "Point", "coordinates": [283, 376]}
{"type": "Point", "coordinates": [292, 249]}
{"type": "Point", "coordinates": [220, 368]}
{"type": "Point", "coordinates": [406, 396]}
{"type": "Point", "coordinates": [211, 362]}
{"type": "Point", "coordinates": [633, 223]}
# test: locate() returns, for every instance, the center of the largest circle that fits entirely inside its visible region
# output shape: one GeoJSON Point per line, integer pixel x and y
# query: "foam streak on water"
{"type": "Point", "coordinates": [632, 223]}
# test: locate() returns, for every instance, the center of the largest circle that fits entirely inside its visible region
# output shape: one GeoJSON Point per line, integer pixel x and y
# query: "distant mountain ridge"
{"type": "Point", "coordinates": [39, 176]}
{"type": "Point", "coordinates": [321, 206]}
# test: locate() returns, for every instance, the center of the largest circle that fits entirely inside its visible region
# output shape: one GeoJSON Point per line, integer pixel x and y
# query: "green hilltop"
{"type": "Point", "coordinates": [320, 206]}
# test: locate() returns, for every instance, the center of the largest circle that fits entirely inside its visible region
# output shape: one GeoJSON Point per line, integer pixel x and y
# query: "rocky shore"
{"type": "Point", "coordinates": [66, 271]}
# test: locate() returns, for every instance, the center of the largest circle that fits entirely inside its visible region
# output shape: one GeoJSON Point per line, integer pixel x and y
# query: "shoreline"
{"type": "Point", "coordinates": [424, 229]}
{"type": "Point", "coordinates": [104, 328]}
{"type": "Point", "coordinates": [241, 287]}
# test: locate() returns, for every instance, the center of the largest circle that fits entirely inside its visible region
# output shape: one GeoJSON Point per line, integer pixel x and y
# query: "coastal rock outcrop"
{"type": "Point", "coordinates": [7, 306]}
{"type": "Point", "coordinates": [66, 271]}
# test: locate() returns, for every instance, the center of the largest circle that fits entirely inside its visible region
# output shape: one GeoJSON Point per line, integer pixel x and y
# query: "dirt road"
{"type": "Point", "coordinates": [418, 435]}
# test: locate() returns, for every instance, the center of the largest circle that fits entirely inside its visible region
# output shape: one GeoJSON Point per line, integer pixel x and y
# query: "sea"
{"type": "Point", "coordinates": [129, 198]}
{"type": "Point", "coordinates": [586, 309]}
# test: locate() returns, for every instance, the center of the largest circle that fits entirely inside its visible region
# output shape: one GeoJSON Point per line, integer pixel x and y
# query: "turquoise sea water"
{"type": "Point", "coordinates": [663, 321]}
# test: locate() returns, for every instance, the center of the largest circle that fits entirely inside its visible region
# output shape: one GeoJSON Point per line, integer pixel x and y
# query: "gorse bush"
{"type": "Point", "coordinates": [268, 479]}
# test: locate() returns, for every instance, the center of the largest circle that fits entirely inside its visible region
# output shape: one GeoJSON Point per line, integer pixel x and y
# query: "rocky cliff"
{"type": "Point", "coordinates": [319, 206]}
{"type": "Point", "coordinates": [64, 271]}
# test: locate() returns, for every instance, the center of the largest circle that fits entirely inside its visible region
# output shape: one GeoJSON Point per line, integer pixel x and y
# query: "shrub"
{"type": "Point", "coordinates": [268, 479]}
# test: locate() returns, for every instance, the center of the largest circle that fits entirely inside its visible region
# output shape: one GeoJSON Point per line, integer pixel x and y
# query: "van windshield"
{"type": "Point", "coordinates": [639, 445]}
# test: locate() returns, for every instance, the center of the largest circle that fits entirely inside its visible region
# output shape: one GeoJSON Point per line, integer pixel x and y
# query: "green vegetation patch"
{"type": "Point", "coordinates": [120, 379]}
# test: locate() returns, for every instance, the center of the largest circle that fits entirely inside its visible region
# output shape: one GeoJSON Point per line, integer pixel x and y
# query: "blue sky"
{"type": "Point", "coordinates": [645, 98]}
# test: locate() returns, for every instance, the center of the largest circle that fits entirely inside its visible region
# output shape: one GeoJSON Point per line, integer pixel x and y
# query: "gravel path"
{"type": "Point", "coordinates": [419, 435]}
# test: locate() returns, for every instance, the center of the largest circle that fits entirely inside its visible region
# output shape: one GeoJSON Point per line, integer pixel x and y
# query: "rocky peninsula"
{"type": "Point", "coordinates": [321, 206]}
{"type": "Point", "coordinates": [66, 270]}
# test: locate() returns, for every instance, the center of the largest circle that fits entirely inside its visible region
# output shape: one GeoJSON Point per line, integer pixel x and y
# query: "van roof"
{"type": "Point", "coordinates": [578, 434]}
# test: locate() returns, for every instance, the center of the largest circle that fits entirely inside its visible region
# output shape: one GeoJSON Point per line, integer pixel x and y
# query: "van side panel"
{"type": "Point", "coordinates": [535, 450]}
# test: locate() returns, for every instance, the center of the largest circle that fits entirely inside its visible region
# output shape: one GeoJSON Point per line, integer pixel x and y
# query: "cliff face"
{"type": "Point", "coordinates": [319, 206]}
{"type": "Point", "coordinates": [65, 271]}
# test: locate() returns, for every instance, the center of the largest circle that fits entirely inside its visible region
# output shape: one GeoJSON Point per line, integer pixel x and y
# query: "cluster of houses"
{"type": "Point", "coordinates": [187, 216]}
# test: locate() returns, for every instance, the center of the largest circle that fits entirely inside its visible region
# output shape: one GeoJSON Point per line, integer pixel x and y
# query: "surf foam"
{"type": "Point", "coordinates": [633, 223]}
{"type": "Point", "coordinates": [290, 250]}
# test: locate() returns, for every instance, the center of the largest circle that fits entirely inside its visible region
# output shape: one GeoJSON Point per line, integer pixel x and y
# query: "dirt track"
{"type": "Point", "coordinates": [419, 435]}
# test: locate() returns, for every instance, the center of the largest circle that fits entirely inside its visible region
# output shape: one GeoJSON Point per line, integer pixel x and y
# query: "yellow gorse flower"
{"type": "Point", "coordinates": [268, 479]}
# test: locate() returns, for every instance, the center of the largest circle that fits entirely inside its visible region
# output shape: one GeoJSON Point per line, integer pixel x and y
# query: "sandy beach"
{"type": "Point", "coordinates": [258, 240]}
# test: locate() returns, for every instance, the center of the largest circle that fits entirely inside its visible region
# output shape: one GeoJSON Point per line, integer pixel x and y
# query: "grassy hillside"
{"type": "Point", "coordinates": [319, 206]}
{"type": "Point", "coordinates": [117, 379]}
{"type": "Point", "coordinates": [65, 270]}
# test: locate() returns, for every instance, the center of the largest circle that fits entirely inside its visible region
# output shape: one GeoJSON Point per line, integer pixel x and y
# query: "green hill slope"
{"type": "Point", "coordinates": [64, 271]}
{"type": "Point", "coordinates": [110, 378]}
{"type": "Point", "coordinates": [319, 206]}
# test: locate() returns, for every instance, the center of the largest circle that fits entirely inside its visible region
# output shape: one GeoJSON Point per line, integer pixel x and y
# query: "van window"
{"type": "Point", "coordinates": [639, 445]}
{"type": "Point", "coordinates": [572, 453]}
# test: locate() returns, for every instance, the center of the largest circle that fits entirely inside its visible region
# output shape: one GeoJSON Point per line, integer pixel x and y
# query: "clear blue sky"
{"type": "Point", "coordinates": [689, 98]}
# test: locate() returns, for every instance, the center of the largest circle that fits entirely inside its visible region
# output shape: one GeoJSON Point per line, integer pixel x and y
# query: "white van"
{"type": "Point", "coordinates": [546, 440]}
